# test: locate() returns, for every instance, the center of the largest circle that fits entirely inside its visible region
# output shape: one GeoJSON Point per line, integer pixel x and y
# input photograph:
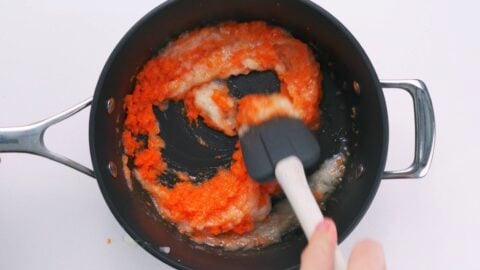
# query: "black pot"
{"type": "Point", "coordinates": [350, 83]}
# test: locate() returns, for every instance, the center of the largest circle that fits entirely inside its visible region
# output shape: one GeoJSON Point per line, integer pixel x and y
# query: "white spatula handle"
{"type": "Point", "coordinates": [291, 176]}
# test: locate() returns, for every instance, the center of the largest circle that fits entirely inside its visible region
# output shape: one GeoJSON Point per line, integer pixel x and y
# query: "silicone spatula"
{"type": "Point", "coordinates": [280, 149]}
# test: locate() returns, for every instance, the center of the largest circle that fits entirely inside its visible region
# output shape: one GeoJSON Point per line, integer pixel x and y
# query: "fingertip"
{"type": "Point", "coordinates": [367, 254]}
{"type": "Point", "coordinates": [372, 245]}
{"type": "Point", "coordinates": [326, 227]}
{"type": "Point", "coordinates": [320, 251]}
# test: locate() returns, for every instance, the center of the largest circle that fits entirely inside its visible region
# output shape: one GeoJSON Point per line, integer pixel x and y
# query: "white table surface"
{"type": "Point", "coordinates": [51, 54]}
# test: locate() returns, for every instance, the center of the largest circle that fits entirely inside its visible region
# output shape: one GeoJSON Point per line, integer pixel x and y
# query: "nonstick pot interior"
{"type": "Point", "coordinates": [344, 64]}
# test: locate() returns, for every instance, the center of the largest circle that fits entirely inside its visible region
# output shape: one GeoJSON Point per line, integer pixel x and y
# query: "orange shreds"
{"type": "Point", "coordinates": [140, 119]}
{"type": "Point", "coordinates": [223, 100]}
{"type": "Point", "coordinates": [230, 201]}
{"type": "Point", "coordinates": [209, 203]}
{"type": "Point", "coordinates": [150, 164]}
{"type": "Point", "coordinates": [258, 108]}
{"type": "Point", "coordinates": [191, 111]}
{"type": "Point", "coordinates": [130, 144]}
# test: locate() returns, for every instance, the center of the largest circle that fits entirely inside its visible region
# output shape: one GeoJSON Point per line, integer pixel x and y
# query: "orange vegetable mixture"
{"type": "Point", "coordinates": [229, 202]}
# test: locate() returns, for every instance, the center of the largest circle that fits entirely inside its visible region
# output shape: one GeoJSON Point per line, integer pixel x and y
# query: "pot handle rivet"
{"type": "Point", "coordinates": [356, 88]}
{"type": "Point", "coordinates": [110, 105]}
{"type": "Point", "coordinates": [359, 171]}
{"type": "Point", "coordinates": [112, 168]}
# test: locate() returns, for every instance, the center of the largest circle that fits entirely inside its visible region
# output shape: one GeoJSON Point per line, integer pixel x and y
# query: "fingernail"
{"type": "Point", "coordinates": [327, 226]}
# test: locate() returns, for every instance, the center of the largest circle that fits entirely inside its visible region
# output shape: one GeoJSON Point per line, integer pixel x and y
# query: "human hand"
{"type": "Point", "coordinates": [320, 252]}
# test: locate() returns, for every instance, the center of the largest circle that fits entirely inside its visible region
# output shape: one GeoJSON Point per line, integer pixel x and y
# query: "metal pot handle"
{"type": "Point", "coordinates": [29, 138]}
{"type": "Point", "coordinates": [424, 128]}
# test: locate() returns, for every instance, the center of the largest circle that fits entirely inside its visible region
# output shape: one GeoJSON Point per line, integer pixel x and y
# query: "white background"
{"type": "Point", "coordinates": [52, 52]}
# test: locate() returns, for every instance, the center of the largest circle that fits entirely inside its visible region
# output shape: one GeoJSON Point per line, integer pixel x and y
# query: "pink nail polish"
{"type": "Point", "coordinates": [325, 225]}
{"type": "Point", "coordinates": [328, 226]}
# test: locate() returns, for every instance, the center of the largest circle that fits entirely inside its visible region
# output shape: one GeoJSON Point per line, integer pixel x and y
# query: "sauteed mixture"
{"type": "Point", "coordinates": [230, 209]}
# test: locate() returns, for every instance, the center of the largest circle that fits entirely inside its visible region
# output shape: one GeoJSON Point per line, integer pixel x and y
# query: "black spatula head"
{"type": "Point", "coordinates": [263, 146]}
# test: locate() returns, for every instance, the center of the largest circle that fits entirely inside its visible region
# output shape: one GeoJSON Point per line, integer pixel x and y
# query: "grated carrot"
{"type": "Point", "coordinates": [230, 201]}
